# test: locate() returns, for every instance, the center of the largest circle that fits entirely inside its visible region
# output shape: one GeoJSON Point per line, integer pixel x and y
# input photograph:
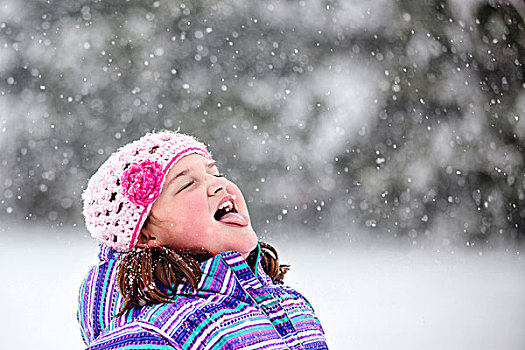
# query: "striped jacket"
{"type": "Point", "coordinates": [233, 308]}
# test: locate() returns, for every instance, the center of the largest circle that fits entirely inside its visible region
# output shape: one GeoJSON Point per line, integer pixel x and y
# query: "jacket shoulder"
{"type": "Point", "coordinates": [133, 335]}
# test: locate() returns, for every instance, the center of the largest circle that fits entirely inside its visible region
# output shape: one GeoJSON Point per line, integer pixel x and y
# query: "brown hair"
{"type": "Point", "coordinates": [151, 275]}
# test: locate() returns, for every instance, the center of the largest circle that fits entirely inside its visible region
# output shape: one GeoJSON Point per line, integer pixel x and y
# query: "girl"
{"type": "Point", "coordinates": [180, 265]}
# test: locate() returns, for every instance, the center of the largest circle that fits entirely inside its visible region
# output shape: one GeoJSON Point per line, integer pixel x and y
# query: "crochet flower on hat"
{"type": "Point", "coordinates": [141, 182]}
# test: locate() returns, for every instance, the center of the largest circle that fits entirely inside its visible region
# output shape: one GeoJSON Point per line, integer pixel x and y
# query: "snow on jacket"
{"type": "Point", "coordinates": [232, 308]}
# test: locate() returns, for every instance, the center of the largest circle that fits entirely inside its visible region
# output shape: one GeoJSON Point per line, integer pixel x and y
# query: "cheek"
{"type": "Point", "coordinates": [195, 205]}
{"type": "Point", "coordinates": [192, 212]}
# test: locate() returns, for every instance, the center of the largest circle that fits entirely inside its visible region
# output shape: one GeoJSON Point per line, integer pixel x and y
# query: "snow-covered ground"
{"type": "Point", "coordinates": [366, 297]}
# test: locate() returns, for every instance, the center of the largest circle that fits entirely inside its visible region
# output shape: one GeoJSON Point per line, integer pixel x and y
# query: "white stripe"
{"type": "Point", "coordinates": [311, 334]}
{"type": "Point", "coordinates": [229, 330]}
{"type": "Point", "coordinates": [160, 332]}
{"type": "Point", "coordinates": [238, 317]}
{"type": "Point", "coordinates": [259, 345]}
{"type": "Point", "coordinates": [225, 285]}
{"type": "Point", "coordinates": [181, 314]}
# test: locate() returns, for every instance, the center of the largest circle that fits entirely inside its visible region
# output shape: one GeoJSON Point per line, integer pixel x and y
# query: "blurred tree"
{"type": "Point", "coordinates": [405, 118]}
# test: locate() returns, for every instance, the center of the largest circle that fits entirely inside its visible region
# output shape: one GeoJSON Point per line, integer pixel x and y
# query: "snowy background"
{"type": "Point", "coordinates": [368, 296]}
{"type": "Point", "coordinates": [387, 137]}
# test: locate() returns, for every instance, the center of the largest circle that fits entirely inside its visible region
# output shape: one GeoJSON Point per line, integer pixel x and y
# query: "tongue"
{"type": "Point", "coordinates": [234, 218]}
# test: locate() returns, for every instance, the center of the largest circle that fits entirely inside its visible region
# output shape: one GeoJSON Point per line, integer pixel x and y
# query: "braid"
{"type": "Point", "coordinates": [270, 263]}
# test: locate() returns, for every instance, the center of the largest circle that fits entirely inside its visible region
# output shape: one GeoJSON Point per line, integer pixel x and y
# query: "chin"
{"type": "Point", "coordinates": [253, 244]}
{"type": "Point", "coordinates": [247, 245]}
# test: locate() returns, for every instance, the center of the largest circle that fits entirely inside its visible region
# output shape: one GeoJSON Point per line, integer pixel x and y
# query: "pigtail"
{"type": "Point", "coordinates": [270, 263]}
{"type": "Point", "coordinates": [149, 276]}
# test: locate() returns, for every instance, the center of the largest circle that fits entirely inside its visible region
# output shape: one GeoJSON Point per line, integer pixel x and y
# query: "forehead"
{"type": "Point", "coordinates": [191, 162]}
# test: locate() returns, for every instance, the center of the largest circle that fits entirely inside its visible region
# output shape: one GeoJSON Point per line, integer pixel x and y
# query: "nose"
{"type": "Point", "coordinates": [216, 184]}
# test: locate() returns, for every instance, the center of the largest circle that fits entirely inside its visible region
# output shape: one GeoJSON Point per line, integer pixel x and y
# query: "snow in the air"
{"type": "Point", "coordinates": [380, 145]}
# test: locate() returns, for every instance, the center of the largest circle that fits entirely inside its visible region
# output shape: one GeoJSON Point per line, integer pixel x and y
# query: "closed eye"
{"type": "Point", "coordinates": [186, 186]}
{"type": "Point", "coordinates": [219, 175]}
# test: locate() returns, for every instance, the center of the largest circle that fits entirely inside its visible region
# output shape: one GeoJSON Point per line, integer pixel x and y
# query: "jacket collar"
{"type": "Point", "coordinates": [225, 271]}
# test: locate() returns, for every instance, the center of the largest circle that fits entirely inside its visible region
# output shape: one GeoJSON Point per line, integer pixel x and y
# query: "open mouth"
{"type": "Point", "coordinates": [227, 213]}
{"type": "Point", "coordinates": [227, 206]}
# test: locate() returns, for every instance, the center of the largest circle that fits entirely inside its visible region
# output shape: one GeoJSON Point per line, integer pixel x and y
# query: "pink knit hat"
{"type": "Point", "coordinates": [119, 196]}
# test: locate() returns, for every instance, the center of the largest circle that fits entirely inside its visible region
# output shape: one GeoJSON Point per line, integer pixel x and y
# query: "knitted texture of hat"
{"type": "Point", "coordinates": [119, 196]}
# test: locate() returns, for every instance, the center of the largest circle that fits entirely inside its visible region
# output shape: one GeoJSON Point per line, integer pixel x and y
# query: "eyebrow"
{"type": "Point", "coordinates": [185, 172]}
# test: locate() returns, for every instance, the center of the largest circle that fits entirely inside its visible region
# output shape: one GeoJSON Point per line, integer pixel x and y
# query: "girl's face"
{"type": "Point", "coordinates": [199, 209]}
